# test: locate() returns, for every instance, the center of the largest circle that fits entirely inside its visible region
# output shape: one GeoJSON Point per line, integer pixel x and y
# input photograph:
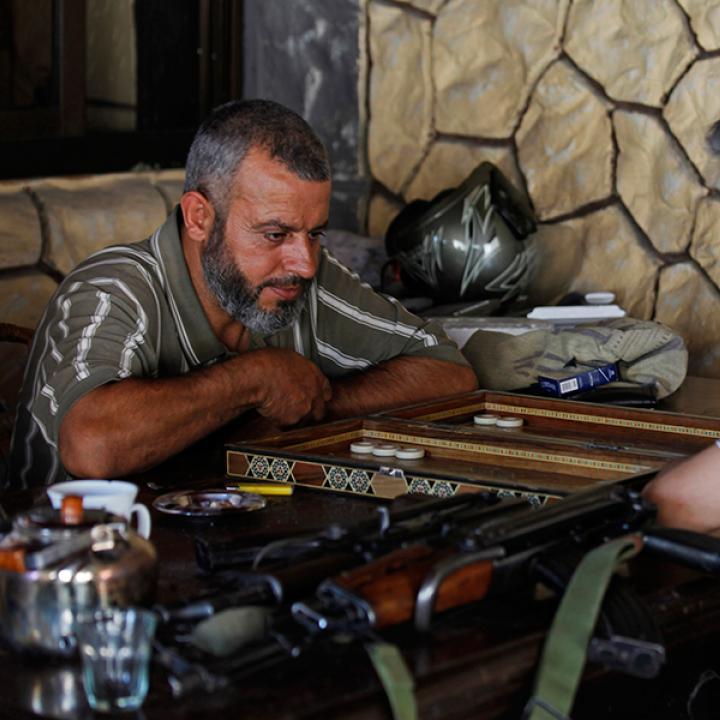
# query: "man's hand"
{"type": "Point", "coordinates": [291, 387]}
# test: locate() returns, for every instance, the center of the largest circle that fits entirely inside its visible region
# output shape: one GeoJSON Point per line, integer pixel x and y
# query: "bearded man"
{"type": "Point", "coordinates": [231, 305]}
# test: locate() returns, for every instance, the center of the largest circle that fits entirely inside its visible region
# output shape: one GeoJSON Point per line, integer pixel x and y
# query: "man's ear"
{"type": "Point", "coordinates": [198, 215]}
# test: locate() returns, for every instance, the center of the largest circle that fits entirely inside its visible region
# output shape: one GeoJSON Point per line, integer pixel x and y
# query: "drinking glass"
{"type": "Point", "coordinates": [115, 646]}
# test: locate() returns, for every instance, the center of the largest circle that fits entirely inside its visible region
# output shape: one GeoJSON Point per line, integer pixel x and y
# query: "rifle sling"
{"type": "Point", "coordinates": [395, 677]}
{"type": "Point", "coordinates": [564, 653]}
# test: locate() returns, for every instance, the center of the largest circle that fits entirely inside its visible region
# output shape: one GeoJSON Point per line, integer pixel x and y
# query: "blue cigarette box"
{"type": "Point", "coordinates": [565, 382]}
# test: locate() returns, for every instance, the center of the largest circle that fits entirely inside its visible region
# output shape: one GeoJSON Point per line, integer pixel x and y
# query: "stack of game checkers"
{"type": "Point", "coordinates": [486, 420]}
{"type": "Point", "coordinates": [386, 450]}
{"type": "Point", "coordinates": [501, 422]}
{"type": "Point", "coordinates": [362, 447]}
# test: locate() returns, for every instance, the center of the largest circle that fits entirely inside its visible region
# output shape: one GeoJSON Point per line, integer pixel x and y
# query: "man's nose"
{"type": "Point", "coordinates": [301, 256]}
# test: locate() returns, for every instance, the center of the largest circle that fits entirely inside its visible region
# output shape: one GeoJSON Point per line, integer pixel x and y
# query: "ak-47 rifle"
{"type": "Point", "coordinates": [496, 556]}
{"type": "Point", "coordinates": [284, 570]}
{"type": "Point", "coordinates": [278, 572]}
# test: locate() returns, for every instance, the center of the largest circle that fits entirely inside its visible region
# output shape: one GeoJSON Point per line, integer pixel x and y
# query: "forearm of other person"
{"type": "Point", "coordinates": [687, 494]}
{"type": "Point", "coordinates": [133, 424]}
{"type": "Point", "coordinates": [400, 381]}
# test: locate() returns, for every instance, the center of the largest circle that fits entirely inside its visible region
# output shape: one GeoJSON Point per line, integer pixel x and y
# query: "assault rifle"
{"type": "Point", "coordinates": [283, 570]}
{"type": "Point", "coordinates": [494, 557]}
{"type": "Point", "coordinates": [498, 555]}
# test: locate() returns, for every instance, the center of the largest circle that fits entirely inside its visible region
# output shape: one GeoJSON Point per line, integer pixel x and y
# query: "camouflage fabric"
{"type": "Point", "coordinates": [647, 353]}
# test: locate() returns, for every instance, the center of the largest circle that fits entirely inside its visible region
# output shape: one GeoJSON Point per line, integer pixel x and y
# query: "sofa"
{"type": "Point", "coordinates": [48, 226]}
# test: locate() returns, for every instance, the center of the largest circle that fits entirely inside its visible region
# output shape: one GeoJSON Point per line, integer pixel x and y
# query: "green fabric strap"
{"type": "Point", "coordinates": [396, 678]}
{"type": "Point", "coordinates": [563, 655]}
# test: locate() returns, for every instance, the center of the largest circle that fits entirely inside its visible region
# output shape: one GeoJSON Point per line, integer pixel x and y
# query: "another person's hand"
{"type": "Point", "coordinates": [291, 387]}
{"type": "Point", "coordinates": [687, 493]}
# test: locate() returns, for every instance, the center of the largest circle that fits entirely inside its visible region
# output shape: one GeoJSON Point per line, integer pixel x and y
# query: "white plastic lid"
{"type": "Point", "coordinates": [600, 298]}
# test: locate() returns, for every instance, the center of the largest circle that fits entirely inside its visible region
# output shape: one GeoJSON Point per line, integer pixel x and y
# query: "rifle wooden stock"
{"type": "Point", "coordinates": [391, 584]}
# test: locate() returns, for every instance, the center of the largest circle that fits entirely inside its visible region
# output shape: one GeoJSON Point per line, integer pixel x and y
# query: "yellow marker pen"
{"type": "Point", "coordinates": [261, 488]}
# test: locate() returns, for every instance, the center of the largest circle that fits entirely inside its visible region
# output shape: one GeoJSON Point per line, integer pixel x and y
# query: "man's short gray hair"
{"type": "Point", "coordinates": [231, 130]}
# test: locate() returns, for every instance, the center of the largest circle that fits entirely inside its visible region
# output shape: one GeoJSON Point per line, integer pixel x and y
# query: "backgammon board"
{"type": "Point", "coordinates": [561, 446]}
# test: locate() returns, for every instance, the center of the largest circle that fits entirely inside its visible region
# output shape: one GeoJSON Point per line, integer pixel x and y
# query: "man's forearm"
{"type": "Point", "coordinates": [133, 424]}
{"type": "Point", "coordinates": [400, 381]}
{"type": "Point", "coordinates": [130, 425]}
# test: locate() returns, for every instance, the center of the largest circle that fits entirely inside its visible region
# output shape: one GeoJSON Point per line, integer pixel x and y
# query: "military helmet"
{"type": "Point", "coordinates": [467, 243]}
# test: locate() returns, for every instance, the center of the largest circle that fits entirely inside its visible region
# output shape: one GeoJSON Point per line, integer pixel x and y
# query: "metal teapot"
{"type": "Point", "coordinates": [66, 570]}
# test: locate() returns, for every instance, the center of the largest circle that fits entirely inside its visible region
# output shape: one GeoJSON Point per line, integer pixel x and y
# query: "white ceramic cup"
{"type": "Point", "coordinates": [115, 496]}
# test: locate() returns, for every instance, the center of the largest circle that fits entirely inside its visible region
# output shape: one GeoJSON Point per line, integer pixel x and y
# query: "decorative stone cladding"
{"type": "Point", "coordinates": [607, 112]}
{"type": "Point", "coordinates": [50, 225]}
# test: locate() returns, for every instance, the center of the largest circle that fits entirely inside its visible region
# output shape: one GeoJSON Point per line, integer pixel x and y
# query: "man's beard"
{"type": "Point", "coordinates": [238, 298]}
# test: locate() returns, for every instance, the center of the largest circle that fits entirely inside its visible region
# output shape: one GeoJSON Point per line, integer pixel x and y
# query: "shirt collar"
{"type": "Point", "coordinates": [195, 333]}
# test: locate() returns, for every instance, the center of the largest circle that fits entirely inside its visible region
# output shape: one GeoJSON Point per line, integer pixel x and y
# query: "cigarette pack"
{"type": "Point", "coordinates": [571, 380]}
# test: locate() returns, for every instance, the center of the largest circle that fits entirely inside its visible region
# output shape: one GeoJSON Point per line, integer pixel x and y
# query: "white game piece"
{"type": "Point", "coordinates": [409, 453]}
{"type": "Point", "coordinates": [386, 450]}
{"type": "Point", "coordinates": [510, 422]}
{"type": "Point", "coordinates": [485, 419]}
{"type": "Point", "coordinates": [362, 446]}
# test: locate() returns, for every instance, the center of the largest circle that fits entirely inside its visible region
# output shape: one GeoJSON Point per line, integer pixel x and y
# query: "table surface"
{"type": "Point", "coordinates": [475, 662]}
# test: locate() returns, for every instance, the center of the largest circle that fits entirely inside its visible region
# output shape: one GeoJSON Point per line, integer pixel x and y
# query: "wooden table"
{"type": "Point", "coordinates": [477, 663]}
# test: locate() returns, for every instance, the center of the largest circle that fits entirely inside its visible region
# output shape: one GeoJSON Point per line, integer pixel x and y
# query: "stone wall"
{"type": "Point", "coordinates": [50, 225]}
{"type": "Point", "coordinates": [607, 112]}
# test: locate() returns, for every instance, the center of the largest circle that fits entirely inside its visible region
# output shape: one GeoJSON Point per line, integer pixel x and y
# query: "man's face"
{"type": "Point", "coordinates": [259, 261]}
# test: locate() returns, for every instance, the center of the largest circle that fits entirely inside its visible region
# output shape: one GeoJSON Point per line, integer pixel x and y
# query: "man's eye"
{"type": "Point", "coordinates": [275, 237]}
{"type": "Point", "coordinates": [317, 235]}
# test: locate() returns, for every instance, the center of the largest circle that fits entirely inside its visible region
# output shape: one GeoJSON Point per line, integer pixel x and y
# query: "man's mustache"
{"type": "Point", "coordinates": [287, 281]}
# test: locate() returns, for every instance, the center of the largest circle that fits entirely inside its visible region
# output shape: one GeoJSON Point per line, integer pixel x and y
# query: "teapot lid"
{"type": "Point", "coordinates": [46, 523]}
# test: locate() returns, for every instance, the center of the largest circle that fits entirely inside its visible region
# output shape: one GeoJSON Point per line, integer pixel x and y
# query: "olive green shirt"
{"type": "Point", "coordinates": [131, 311]}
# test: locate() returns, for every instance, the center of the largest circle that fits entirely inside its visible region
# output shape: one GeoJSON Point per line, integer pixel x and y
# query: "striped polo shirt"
{"type": "Point", "coordinates": [132, 311]}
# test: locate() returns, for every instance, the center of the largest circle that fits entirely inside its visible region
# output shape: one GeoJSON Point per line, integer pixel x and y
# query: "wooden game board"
{"type": "Point", "coordinates": [563, 446]}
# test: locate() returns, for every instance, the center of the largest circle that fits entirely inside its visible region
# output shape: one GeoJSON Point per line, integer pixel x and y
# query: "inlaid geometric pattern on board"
{"type": "Point", "coordinates": [360, 481]}
{"type": "Point", "coordinates": [530, 497]}
{"type": "Point", "coordinates": [419, 486]}
{"type": "Point", "coordinates": [259, 467]}
{"type": "Point", "coordinates": [441, 488]}
{"type": "Point", "coordinates": [336, 477]}
{"type": "Point", "coordinates": [281, 470]}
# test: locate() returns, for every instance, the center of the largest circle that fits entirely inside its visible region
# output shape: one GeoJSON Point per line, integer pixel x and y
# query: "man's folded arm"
{"type": "Point", "coordinates": [135, 423]}
{"type": "Point", "coordinates": [400, 381]}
